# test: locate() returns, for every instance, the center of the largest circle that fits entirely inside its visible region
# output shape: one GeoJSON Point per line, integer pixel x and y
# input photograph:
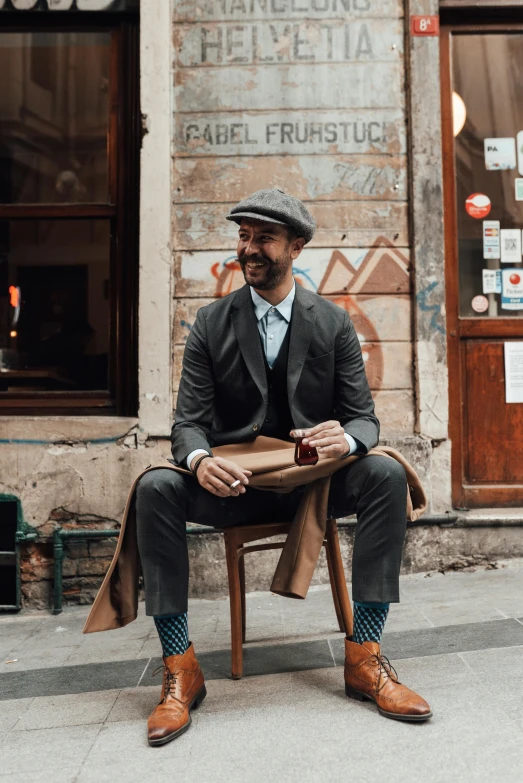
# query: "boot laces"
{"type": "Point", "coordinates": [386, 671]}
{"type": "Point", "coordinates": [169, 680]}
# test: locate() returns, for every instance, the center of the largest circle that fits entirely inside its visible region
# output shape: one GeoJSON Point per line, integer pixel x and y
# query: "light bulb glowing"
{"type": "Point", "coordinates": [459, 113]}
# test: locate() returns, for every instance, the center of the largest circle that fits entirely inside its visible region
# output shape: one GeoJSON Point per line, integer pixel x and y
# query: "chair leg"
{"type": "Point", "coordinates": [231, 554]}
{"type": "Point", "coordinates": [241, 570]}
{"type": "Point", "coordinates": [333, 542]}
{"type": "Point", "coordinates": [333, 588]}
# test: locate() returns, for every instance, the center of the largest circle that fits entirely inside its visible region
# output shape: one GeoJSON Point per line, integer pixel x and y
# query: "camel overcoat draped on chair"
{"type": "Point", "coordinates": [273, 468]}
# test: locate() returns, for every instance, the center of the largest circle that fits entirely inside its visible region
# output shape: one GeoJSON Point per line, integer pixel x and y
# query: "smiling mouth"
{"type": "Point", "coordinates": [255, 264]}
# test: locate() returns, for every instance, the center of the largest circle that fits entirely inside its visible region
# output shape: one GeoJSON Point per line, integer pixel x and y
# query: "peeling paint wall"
{"type": "Point", "coordinates": [428, 238]}
{"type": "Point", "coordinates": [76, 473]}
{"type": "Point", "coordinates": [307, 96]}
{"type": "Point", "coordinates": [155, 274]}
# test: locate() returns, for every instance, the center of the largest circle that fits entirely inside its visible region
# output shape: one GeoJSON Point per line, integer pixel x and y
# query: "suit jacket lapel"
{"type": "Point", "coordinates": [246, 331]}
{"type": "Point", "coordinates": [302, 325]}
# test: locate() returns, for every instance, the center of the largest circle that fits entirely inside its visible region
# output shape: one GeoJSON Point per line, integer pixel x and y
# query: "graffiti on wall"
{"type": "Point", "coordinates": [383, 269]}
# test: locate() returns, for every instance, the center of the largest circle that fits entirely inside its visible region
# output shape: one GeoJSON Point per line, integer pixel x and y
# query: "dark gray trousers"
{"type": "Point", "coordinates": [374, 488]}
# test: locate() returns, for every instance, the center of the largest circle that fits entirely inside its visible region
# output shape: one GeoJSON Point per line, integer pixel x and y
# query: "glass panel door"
{"type": "Point", "coordinates": [482, 102]}
{"type": "Point", "coordinates": [487, 102]}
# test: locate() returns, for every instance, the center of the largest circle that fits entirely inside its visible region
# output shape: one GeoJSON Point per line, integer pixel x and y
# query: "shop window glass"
{"type": "Point", "coordinates": [54, 110]}
{"type": "Point", "coordinates": [69, 152]}
{"type": "Point", "coordinates": [487, 74]}
{"type": "Point", "coordinates": [54, 305]}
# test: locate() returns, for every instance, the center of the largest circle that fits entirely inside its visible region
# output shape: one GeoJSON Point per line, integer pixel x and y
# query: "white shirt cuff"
{"type": "Point", "coordinates": [194, 454]}
{"type": "Point", "coordinates": [353, 446]}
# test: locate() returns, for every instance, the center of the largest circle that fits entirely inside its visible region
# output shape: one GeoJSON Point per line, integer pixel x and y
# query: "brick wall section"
{"type": "Point", "coordinates": [84, 566]}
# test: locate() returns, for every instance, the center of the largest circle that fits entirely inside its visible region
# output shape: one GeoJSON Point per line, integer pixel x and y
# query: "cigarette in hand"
{"type": "Point", "coordinates": [235, 483]}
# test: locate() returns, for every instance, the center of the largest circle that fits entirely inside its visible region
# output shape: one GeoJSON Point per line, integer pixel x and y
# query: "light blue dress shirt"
{"type": "Point", "coordinates": [273, 322]}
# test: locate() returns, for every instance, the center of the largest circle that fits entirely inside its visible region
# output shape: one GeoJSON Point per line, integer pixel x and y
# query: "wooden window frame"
{"type": "Point", "coordinates": [122, 210]}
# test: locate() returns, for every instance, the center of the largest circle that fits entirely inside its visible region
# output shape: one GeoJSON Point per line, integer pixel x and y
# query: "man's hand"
{"type": "Point", "coordinates": [328, 438]}
{"type": "Point", "coordinates": [216, 475]}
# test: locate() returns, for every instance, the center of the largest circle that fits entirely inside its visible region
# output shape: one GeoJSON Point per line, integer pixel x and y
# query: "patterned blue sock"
{"type": "Point", "coordinates": [173, 632]}
{"type": "Point", "coordinates": [369, 621]}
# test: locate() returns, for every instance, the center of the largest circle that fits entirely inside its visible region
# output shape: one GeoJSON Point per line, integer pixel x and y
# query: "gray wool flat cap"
{"type": "Point", "coordinates": [276, 206]}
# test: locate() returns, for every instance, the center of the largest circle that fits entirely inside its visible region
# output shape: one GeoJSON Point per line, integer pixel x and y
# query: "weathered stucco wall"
{"type": "Point", "coordinates": [155, 274]}
{"type": "Point", "coordinates": [308, 96]}
{"type": "Point", "coordinates": [72, 472]}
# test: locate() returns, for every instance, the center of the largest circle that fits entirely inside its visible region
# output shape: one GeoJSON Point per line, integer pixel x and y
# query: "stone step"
{"type": "Point", "coordinates": [456, 541]}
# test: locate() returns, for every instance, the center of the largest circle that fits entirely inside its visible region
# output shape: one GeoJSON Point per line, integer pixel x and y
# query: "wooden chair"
{"type": "Point", "coordinates": [235, 551]}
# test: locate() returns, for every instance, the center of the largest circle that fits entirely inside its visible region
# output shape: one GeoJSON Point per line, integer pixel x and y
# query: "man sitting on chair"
{"type": "Point", "coordinates": [262, 360]}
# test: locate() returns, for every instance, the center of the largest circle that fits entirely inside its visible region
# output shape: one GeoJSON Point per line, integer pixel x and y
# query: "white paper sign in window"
{"type": "Point", "coordinates": [500, 154]}
{"type": "Point", "coordinates": [514, 372]}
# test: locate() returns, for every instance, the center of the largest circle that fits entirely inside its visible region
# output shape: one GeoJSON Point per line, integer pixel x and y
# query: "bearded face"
{"type": "Point", "coordinates": [264, 273]}
{"type": "Point", "coordinates": [266, 252]}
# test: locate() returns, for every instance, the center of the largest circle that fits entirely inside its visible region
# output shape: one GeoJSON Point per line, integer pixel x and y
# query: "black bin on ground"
{"type": "Point", "coordinates": [12, 532]}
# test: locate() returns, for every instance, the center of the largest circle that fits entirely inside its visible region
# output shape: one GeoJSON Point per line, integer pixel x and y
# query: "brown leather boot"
{"type": "Point", "coordinates": [370, 675]}
{"type": "Point", "coordinates": [183, 690]}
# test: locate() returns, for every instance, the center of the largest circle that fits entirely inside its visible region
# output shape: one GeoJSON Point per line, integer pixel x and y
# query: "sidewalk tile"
{"type": "Point", "coordinates": [25, 658]}
{"type": "Point", "coordinates": [67, 775]}
{"type": "Point", "coordinates": [134, 704]}
{"type": "Point", "coordinates": [12, 711]}
{"type": "Point", "coordinates": [225, 697]}
{"type": "Point", "coordinates": [71, 679]}
{"type": "Point", "coordinates": [468, 609]}
{"type": "Point", "coordinates": [70, 710]}
{"type": "Point", "coordinates": [99, 651]}
{"type": "Point", "coordinates": [154, 768]}
{"type": "Point", "coordinates": [496, 660]}
{"type": "Point", "coordinates": [126, 741]}
{"type": "Point", "coordinates": [46, 749]}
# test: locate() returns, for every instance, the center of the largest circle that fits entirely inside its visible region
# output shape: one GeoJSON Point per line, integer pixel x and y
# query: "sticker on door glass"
{"type": "Point", "coordinates": [479, 304]}
{"type": "Point", "coordinates": [510, 245]}
{"type": "Point", "coordinates": [519, 142]}
{"type": "Point", "coordinates": [491, 281]}
{"type": "Point", "coordinates": [478, 205]}
{"type": "Point", "coordinates": [491, 245]}
{"type": "Point", "coordinates": [500, 154]}
{"type": "Point", "coordinates": [512, 289]}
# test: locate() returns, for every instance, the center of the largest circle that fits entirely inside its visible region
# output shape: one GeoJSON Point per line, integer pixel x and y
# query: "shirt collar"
{"type": "Point", "coordinates": [261, 306]}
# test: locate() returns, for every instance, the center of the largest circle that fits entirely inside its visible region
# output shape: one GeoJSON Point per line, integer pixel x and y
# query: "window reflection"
{"type": "Point", "coordinates": [54, 117]}
{"type": "Point", "coordinates": [54, 305]}
{"type": "Point", "coordinates": [487, 75]}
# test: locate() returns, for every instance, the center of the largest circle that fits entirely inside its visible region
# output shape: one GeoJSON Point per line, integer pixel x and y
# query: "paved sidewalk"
{"type": "Point", "coordinates": [73, 707]}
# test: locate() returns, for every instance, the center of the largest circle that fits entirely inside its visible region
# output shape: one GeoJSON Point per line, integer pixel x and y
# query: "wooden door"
{"type": "Point", "coordinates": [482, 104]}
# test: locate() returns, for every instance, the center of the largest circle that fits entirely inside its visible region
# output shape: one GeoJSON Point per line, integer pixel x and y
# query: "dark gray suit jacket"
{"type": "Point", "coordinates": [223, 389]}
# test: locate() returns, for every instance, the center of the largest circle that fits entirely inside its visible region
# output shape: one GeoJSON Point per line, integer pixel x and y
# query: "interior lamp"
{"type": "Point", "coordinates": [459, 113]}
